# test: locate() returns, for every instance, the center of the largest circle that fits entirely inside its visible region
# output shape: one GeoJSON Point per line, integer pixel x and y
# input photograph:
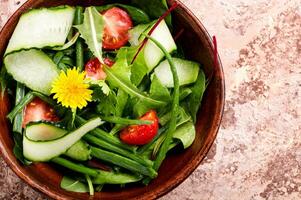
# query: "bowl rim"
{"type": "Point", "coordinates": [194, 162]}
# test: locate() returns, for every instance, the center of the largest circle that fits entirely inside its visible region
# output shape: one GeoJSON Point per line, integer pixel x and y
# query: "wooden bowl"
{"type": "Point", "coordinates": [178, 166]}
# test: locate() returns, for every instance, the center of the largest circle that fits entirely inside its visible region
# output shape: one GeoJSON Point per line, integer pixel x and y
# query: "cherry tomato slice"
{"type": "Point", "coordinates": [117, 25]}
{"type": "Point", "coordinates": [38, 110]}
{"type": "Point", "coordinates": [141, 134]}
{"type": "Point", "coordinates": [94, 71]}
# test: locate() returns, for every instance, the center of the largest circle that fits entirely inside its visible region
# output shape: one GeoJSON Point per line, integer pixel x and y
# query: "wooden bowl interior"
{"type": "Point", "coordinates": [178, 165]}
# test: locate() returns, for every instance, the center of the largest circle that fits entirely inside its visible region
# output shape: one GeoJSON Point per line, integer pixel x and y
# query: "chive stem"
{"type": "Point", "coordinates": [75, 167]}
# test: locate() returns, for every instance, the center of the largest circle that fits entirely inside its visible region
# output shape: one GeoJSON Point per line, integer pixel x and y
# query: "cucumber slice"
{"type": "Point", "coordinates": [44, 27]}
{"type": "Point", "coordinates": [46, 150]}
{"type": "Point", "coordinates": [187, 72]}
{"type": "Point", "coordinates": [33, 68]}
{"type": "Point", "coordinates": [152, 53]}
{"type": "Point", "coordinates": [135, 34]}
{"type": "Point", "coordinates": [43, 132]}
{"type": "Point", "coordinates": [79, 151]}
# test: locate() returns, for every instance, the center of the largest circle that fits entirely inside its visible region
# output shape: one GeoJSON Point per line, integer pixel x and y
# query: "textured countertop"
{"type": "Point", "coordinates": [257, 154]}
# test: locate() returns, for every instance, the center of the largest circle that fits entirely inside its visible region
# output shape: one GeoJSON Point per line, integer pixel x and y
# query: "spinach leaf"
{"type": "Point", "coordinates": [186, 134]}
{"type": "Point", "coordinates": [72, 185]}
{"type": "Point", "coordinates": [195, 98]}
{"type": "Point", "coordinates": [92, 31]}
{"type": "Point", "coordinates": [154, 8]}
{"type": "Point", "coordinates": [119, 76]}
{"type": "Point", "coordinates": [157, 91]}
{"type": "Point", "coordinates": [138, 16]}
{"type": "Point", "coordinates": [182, 117]}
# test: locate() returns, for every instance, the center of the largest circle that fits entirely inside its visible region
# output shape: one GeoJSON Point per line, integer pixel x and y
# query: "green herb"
{"type": "Point", "coordinates": [123, 162]}
{"type": "Point", "coordinates": [18, 108]}
{"type": "Point", "coordinates": [79, 151]}
{"type": "Point", "coordinates": [90, 184]}
{"type": "Point", "coordinates": [154, 8]}
{"type": "Point", "coordinates": [174, 108]}
{"type": "Point", "coordinates": [186, 134]}
{"type": "Point", "coordinates": [92, 31]}
{"type": "Point", "coordinates": [96, 141]}
{"type": "Point", "coordinates": [195, 98]}
{"type": "Point", "coordinates": [184, 92]}
{"type": "Point", "coordinates": [104, 177]}
{"type": "Point", "coordinates": [75, 167]}
{"type": "Point", "coordinates": [119, 76]}
{"type": "Point", "coordinates": [73, 185]}
{"type": "Point", "coordinates": [124, 121]}
{"type": "Point", "coordinates": [138, 16]}
{"type": "Point", "coordinates": [106, 137]}
{"type": "Point", "coordinates": [121, 100]}
{"type": "Point", "coordinates": [157, 91]}
{"type": "Point", "coordinates": [4, 78]}
{"type": "Point", "coordinates": [20, 93]}
{"type": "Point", "coordinates": [79, 46]}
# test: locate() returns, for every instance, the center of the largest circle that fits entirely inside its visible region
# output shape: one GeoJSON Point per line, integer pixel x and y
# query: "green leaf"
{"type": "Point", "coordinates": [139, 68]}
{"type": "Point", "coordinates": [105, 177]}
{"type": "Point", "coordinates": [186, 134]}
{"type": "Point", "coordinates": [68, 44]}
{"type": "Point", "coordinates": [100, 83]}
{"type": "Point", "coordinates": [3, 80]}
{"type": "Point", "coordinates": [106, 104]}
{"type": "Point", "coordinates": [154, 8]}
{"type": "Point", "coordinates": [157, 91]}
{"type": "Point", "coordinates": [182, 117]}
{"type": "Point", "coordinates": [121, 100]}
{"type": "Point", "coordinates": [119, 76]}
{"type": "Point", "coordinates": [92, 31]}
{"type": "Point", "coordinates": [73, 185]}
{"type": "Point", "coordinates": [195, 98]}
{"type": "Point", "coordinates": [138, 16]}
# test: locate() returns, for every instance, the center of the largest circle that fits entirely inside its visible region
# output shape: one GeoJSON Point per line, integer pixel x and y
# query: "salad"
{"type": "Point", "coordinates": [102, 92]}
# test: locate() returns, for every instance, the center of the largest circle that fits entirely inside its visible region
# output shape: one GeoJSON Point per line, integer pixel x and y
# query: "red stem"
{"type": "Point", "coordinates": [215, 52]}
{"type": "Point", "coordinates": [176, 37]}
{"type": "Point", "coordinates": [174, 5]}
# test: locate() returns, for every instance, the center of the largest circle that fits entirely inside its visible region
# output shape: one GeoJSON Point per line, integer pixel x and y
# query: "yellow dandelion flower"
{"type": "Point", "coordinates": [71, 90]}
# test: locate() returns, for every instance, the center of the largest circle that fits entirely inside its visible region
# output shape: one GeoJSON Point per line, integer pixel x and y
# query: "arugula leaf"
{"type": "Point", "coordinates": [157, 91]}
{"type": "Point", "coordinates": [106, 104]}
{"type": "Point", "coordinates": [195, 98]}
{"type": "Point", "coordinates": [138, 16]}
{"type": "Point", "coordinates": [186, 134]}
{"type": "Point", "coordinates": [121, 100]}
{"type": "Point", "coordinates": [92, 31]}
{"type": "Point", "coordinates": [119, 76]}
{"type": "Point", "coordinates": [139, 68]}
{"type": "Point", "coordinates": [73, 185]}
{"type": "Point", "coordinates": [100, 83]}
{"type": "Point", "coordinates": [154, 8]}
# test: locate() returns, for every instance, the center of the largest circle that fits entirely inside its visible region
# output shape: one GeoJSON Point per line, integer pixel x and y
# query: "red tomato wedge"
{"type": "Point", "coordinates": [94, 69]}
{"type": "Point", "coordinates": [117, 24]}
{"type": "Point", "coordinates": [141, 134]}
{"type": "Point", "coordinates": [38, 110]}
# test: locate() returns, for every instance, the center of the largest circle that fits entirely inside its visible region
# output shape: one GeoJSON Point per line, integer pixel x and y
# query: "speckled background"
{"type": "Point", "coordinates": [257, 154]}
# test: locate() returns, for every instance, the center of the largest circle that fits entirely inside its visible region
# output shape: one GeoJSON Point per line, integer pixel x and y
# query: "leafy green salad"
{"type": "Point", "coordinates": [102, 92]}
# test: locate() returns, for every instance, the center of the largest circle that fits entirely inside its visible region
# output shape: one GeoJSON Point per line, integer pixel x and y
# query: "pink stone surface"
{"type": "Point", "coordinates": [257, 154]}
